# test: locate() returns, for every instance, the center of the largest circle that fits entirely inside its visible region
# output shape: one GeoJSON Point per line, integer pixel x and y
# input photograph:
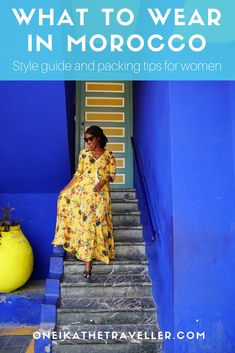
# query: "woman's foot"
{"type": "Point", "coordinates": [87, 274]}
{"type": "Point", "coordinates": [88, 268]}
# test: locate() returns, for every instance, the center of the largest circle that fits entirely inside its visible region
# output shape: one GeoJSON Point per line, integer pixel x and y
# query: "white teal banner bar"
{"type": "Point", "coordinates": [117, 40]}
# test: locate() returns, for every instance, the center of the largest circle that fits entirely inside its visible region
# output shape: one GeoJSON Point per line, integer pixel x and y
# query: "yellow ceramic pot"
{"type": "Point", "coordinates": [16, 259]}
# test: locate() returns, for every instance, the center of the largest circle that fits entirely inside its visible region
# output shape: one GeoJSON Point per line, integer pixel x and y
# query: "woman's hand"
{"type": "Point", "coordinates": [69, 184]}
{"type": "Point", "coordinates": [99, 185]}
{"type": "Point", "coordinates": [111, 178]}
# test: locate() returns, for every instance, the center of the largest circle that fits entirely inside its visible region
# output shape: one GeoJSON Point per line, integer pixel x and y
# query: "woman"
{"type": "Point", "coordinates": [84, 221]}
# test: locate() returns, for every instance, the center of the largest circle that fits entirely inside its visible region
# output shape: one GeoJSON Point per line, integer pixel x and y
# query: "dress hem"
{"type": "Point", "coordinates": [79, 258]}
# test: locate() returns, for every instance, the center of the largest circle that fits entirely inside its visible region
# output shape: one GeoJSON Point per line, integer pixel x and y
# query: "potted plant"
{"type": "Point", "coordinates": [16, 255]}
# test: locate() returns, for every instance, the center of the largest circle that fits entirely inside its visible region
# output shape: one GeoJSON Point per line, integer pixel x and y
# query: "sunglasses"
{"type": "Point", "coordinates": [89, 139]}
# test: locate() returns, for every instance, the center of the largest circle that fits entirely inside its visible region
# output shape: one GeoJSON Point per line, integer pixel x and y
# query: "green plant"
{"type": "Point", "coordinates": [5, 220]}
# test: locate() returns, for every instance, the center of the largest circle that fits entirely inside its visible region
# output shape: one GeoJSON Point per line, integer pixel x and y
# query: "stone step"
{"type": "Point", "coordinates": [107, 304]}
{"type": "Point", "coordinates": [125, 205]}
{"type": "Point", "coordinates": [108, 348]}
{"type": "Point", "coordinates": [133, 233]}
{"type": "Point", "coordinates": [95, 317]}
{"type": "Point", "coordinates": [106, 280]}
{"type": "Point", "coordinates": [87, 334]}
{"type": "Point", "coordinates": [122, 238]}
{"type": "Point", "coordinates": [127, 267]}
{"type": "Point", "coordinates": [126, 218]}
{"type": "Point", "coordinates": [123, 194]}
{"type": "Point", "coordinates": [133, 249]}
{"type": "Point", "coordinates": [106, 286]}
{"type": "Point", "coordinates": [117, 301]}
{"type": "Point", "coordinates": [100, 311]}
{"type": "Point", "coordinates": [130, 250]}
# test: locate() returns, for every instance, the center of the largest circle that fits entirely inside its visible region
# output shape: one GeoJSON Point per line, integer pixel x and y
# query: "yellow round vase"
{"type": "Point", "coordinates": [16, 259]}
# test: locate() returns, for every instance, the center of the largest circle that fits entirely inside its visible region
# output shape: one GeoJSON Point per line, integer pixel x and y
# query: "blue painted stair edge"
{"type": "Point", "coordinates": [42, 338]}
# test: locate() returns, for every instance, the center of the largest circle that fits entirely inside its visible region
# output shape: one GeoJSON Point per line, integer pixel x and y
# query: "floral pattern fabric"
{"type": "Point", "coordinates": [84, 220]}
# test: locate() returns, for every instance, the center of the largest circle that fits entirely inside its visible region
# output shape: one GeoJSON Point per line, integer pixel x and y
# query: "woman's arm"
{"type": "Point", "coordinates": [108, 174]}
{"type": "Point", "coordinates": [98, 187]}
{"type": "Point", "coordinates": [72, 181]}
{"type": "Point", "coordinates": [112, 168]}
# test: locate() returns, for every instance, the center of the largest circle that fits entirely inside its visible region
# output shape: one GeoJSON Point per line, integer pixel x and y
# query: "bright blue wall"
{"type": "Point", "coordinates": [151, 134]}
{"type": "Point", "coordinates": [204, 213]}
{"type": "Point", "coordinates": [36, 120]}
{"type": "Point", "coordinates": [195, 138]}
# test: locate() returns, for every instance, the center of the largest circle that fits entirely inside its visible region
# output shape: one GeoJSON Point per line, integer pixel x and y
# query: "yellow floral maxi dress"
{"type": "Point", "coordinates": [84, 220]}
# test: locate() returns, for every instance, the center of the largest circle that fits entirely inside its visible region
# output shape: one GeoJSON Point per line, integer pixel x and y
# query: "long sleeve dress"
{"type": "Point", "coordinates": [84, 220]}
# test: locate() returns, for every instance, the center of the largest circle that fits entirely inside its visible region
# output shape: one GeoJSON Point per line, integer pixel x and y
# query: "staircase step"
{"type": "Point", "coordinates": [126, 218]}
{"type": "Point", "coordinates": [122, 238]}
{"type": "Point", "coordinates": [130, 249]}
{"type": "Point", "coordinates": [142, 347]}
{"type": "Point", "coordinates": [123, 194]}
{"type": "Point", "coordinates": [76, 267]}
{"type": "Point", "coordinates": [106, 280]}
{"type": "Point", "coordinates": [133, 233]}
{"type": "Point", "coordinates": [107, 304]}
{"type": "Point", "coordinates": [99, 286]}
{"type": "Point", "coordinates": [94, 317]}
{"type": "Point", "coordinates": [125, 205]}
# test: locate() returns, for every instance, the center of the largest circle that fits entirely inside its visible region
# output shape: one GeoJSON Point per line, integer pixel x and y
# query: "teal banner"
{"type": "Point", "coordinates": [117, 40]}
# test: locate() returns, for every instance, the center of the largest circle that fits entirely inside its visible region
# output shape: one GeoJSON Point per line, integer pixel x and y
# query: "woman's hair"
{"type": "Point", "coordinates": [98, 132]}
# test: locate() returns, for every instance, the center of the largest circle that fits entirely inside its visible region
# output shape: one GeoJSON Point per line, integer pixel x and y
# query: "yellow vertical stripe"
{"type": "Point", "coordinates": [30, 348]}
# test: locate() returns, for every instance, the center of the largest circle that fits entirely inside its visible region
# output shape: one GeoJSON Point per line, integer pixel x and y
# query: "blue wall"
{"type": "Point", "coordinates": [37, 158]}
{"type": "Point", "coordinates": [192, 180]}
{"type": "Point", "coordinates": [151, 132]}
{"type": "Point", "coordinates": [204, 213]}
